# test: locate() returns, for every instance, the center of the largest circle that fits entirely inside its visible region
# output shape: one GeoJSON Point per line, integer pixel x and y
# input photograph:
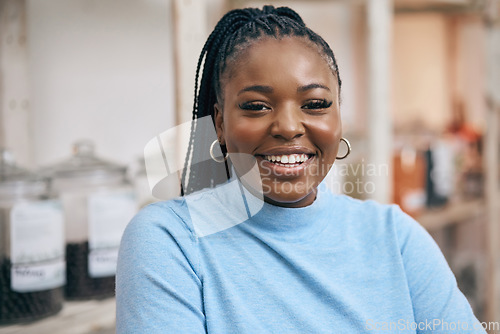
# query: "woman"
{"type": "Point", "coordinates": [302, 260]}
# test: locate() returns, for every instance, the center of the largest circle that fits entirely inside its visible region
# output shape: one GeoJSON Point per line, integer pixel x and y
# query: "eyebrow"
{"type": "Point", "coordinates": [257, 88]}
{"type": "Point", "coordinates": [269, 89]}
{"type": "Point", "coordinates": [312, 86]}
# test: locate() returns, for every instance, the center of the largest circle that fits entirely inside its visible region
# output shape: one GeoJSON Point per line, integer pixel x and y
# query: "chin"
{"type": "Point", "coordinates": [284, 196]}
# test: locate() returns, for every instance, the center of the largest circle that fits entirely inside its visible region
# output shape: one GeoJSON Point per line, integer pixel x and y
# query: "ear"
{"type": "Point", "coordinates": [219, 124]}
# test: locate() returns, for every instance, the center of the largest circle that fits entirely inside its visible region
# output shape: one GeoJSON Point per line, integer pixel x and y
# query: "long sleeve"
{"type": "Point", "coordinates": [158, 289]}
{"type": "Point", "coordinates": [439, 306]}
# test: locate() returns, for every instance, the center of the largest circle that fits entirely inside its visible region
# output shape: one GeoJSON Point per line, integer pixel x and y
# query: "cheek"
{"type": "Point", "coordinates": [242, 134]}
{"type": "Point", "coordinates": [326, 135]}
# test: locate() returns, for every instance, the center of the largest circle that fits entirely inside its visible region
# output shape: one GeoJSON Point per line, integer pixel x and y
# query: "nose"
{"type": "Point", "coordinates": [288, 123]}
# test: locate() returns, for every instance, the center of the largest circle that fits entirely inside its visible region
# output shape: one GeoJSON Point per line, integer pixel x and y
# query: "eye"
{"type": "Point", "coordinates": [253, 106]}
{"type": "Point", "coordinates": [317, 104]}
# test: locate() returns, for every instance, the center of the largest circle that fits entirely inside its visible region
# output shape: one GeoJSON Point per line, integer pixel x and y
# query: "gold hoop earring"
{"type": "Point", "coordinates": [348, 148]}
{"type": "Point", "coordinates": [212, 155]}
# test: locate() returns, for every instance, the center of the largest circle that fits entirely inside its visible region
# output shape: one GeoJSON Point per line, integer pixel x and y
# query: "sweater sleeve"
{"type": "Point", "coordinates": [438, 304]}
{"type": "Point", "coordinates": [158, 289]}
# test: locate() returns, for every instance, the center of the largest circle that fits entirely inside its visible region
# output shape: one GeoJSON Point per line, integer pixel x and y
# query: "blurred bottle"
{"type": "Point", "coordinates": [470, 179]}
{"type": "Point", "coordinates": [32, 268]}
{"type": "Point", "coordinates": [440, 172]}
{"type": "Point", "coordinates": [409, 180]}
{"type": "Point", "coordinates": [98, 203]}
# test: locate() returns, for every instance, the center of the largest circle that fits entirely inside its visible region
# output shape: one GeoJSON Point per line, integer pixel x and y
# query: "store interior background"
{"type": "Point", "coordinates": [119, 73]}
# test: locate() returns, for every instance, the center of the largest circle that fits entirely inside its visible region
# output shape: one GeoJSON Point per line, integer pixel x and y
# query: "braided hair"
{"type": "Point", "coordinates": [236, 31]}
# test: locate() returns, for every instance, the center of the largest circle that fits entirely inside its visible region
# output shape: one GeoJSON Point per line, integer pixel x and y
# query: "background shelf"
{"type": "Point", "coordinates": [76, 317]}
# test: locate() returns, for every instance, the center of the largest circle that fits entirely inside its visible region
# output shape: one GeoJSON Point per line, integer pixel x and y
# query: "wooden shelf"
{"type": "Point", "coordinates": [82, 317]}
{"type": "Point", "coordinates": [451, 214]}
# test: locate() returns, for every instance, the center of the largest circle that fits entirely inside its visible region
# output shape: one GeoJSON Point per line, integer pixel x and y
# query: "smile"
{"type": "Point", "coordinates": [288, 160]}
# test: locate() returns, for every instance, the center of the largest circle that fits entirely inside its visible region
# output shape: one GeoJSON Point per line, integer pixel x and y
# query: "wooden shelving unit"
{"type": "Point", "coordinates": [76, 317]}
{"type": "Point", "coordinates": [451, 214]}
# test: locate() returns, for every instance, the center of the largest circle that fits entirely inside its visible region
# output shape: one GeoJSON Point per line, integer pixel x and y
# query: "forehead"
{"type": "Point", "coordinates": [270, 59]}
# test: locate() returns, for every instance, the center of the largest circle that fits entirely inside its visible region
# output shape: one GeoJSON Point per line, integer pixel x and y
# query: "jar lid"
{"type": "Point", "coordinates": [84, 163]}
{"type": "Point", "coordinates": [17, 182]}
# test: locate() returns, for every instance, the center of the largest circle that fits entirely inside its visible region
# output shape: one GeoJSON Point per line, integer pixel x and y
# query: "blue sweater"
{"type": "Point", "coordinates": [222, 261]}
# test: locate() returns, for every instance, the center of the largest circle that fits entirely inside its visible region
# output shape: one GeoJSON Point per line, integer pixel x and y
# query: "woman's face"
{"type": "Point", "coordinates": [281, 106]}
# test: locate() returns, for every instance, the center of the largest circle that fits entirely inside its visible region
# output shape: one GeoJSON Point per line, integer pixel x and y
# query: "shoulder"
{"type": "Point", "coordinates": [157, 230]}
{"type": "Point", "coordinates": [367, 211]}
{"type": "Point", "coordinates": [388, 227]}
{"type": "Point", "coordinates": [377, 220]}
{"type": "Point", "coordinates": [165, 217]}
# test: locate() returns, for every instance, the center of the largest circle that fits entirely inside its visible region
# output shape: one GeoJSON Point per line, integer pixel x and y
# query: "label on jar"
{"type": "Point", "coordinates": [109, 214]}
{"type": "Point", "coordinates": [37, 246]}
{"type": "Point", "coordinates": [37, 277]}
{"type": "Point", "coordinates": [102, 262]}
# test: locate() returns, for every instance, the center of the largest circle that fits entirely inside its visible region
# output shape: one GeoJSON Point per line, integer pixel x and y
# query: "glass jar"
{"type": "Point", "coordinates": [98, 202]}
{"type": "Point", "coordinates": [31, 246]}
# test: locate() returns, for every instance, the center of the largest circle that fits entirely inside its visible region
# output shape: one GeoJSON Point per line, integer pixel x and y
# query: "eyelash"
{"type": "Point", "coordinates": [310, 105]}
{"type": "Point", "coordinates": [253, 106]}
{"type": "Point", "coordinates": [318, 104]}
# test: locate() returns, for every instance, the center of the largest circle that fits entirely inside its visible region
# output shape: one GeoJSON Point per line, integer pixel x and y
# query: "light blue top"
{"type": "Point", "coordinates": [337, 266]}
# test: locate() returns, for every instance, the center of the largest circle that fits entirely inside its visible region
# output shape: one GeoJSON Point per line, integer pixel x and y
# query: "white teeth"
{"type": "Point", "coordinates": [291, 160]}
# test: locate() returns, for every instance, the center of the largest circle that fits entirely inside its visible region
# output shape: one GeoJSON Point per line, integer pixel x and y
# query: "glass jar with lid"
{"type": "Point", "coordinates": [32, 268]}
{"type": "Point", "coordinates": [98, 202]}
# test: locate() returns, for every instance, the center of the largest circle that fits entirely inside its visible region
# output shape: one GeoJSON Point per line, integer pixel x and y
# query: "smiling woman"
{"type": "Point", "coordinates": [275, 252]}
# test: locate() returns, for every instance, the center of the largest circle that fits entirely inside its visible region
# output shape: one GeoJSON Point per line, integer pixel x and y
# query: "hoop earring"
{"type": "Point", "coordinates": [348, 148]}
{"type": "Point", "coordinates": [212, 155]}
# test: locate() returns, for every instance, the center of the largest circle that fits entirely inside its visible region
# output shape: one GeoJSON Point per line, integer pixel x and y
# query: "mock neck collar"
{"type": "Point", "coordinates": [291, 224]}
{"type": "Point", "coordinates": [232, 205]}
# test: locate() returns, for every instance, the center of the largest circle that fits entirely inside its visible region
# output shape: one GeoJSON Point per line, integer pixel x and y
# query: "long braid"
{"type": "Point", "coordinates": [214, 39]}
{"type": "Point", "coordinates": [231, 37]}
